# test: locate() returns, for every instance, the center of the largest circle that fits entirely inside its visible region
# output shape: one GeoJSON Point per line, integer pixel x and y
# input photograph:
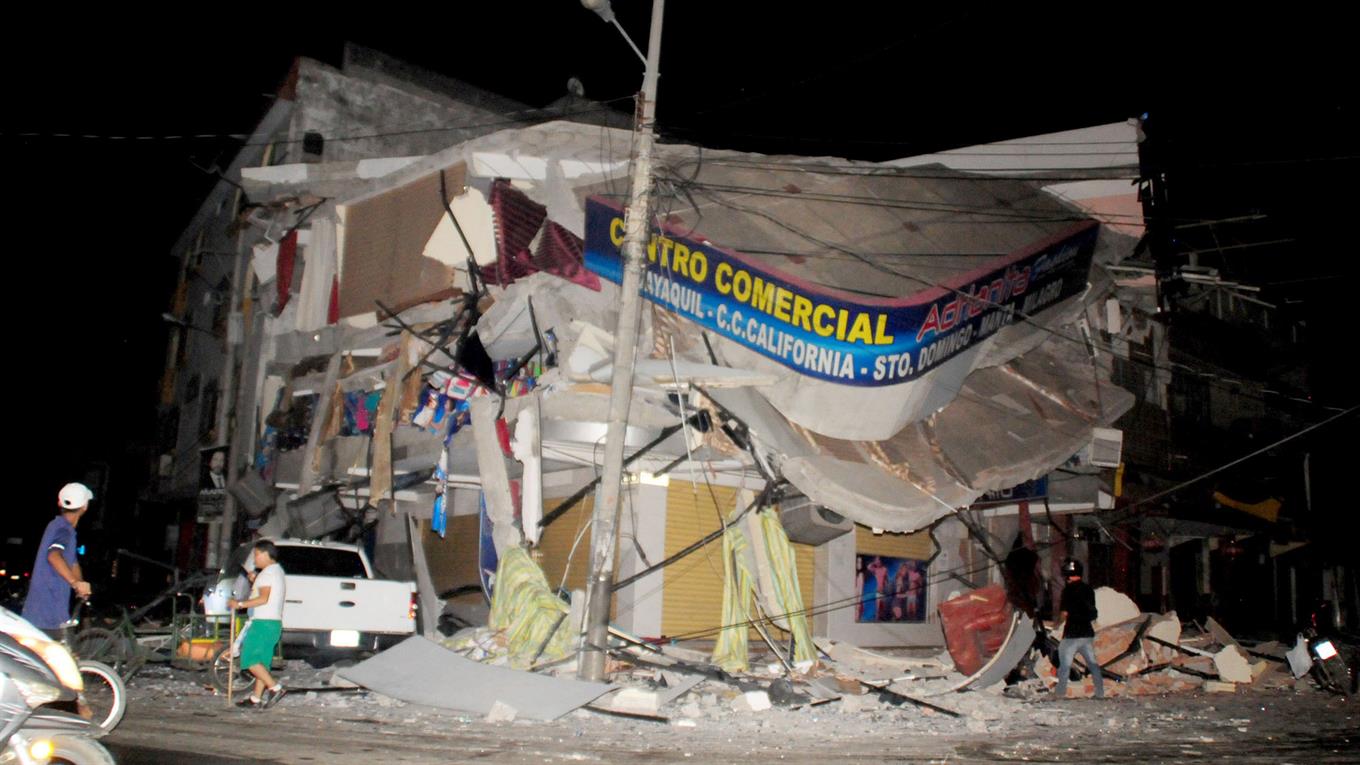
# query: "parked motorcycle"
{"type": "Point", "coordinates": [1321, 651]}
{"type": "Point", "coordinates": [35, 673]}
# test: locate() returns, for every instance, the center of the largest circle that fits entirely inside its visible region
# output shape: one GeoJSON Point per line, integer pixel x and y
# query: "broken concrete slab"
{"type": "Point", "coordinates": [1219, 634]}
{"type": "Point", "coordinates": [1196, 665]}
{"type": "Point", "coordinates": [1114, 607]}
{"type": "Point", "coordinates": [634, 701]}
{"type": "Point", "coordinates": [824, 689]}
{"type": "Point", "coordinates": [421, 671]}
{"type": "Point", "coordinates": [1166, 627]}
{"type": "Point", "coordinates": [751, 701]}
{"type": "Point", "coordinates": [1232, 665]}
{"type": "Point", "coordinates": [677, 685]}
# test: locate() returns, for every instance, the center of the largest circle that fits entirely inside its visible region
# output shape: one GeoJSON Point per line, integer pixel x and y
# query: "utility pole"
{"type": "Point", "coordinates": [637, 226]}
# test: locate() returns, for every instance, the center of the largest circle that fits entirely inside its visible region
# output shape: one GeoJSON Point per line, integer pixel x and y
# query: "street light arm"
{"type": "Point", "coordinates": [605, 11]}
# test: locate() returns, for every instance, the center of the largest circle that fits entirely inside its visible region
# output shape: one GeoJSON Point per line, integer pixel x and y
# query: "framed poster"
{"type": "Point", "coordinates": [891, 589]}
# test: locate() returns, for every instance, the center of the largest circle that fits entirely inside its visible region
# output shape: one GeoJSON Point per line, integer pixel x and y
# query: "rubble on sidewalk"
{"type": "Point", "coordinates": [508, 675]}
{"type": "Point", "coordinates": [1148, 654]}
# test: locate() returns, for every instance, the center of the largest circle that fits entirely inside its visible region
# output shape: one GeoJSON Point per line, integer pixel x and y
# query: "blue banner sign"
{"type": "Point", "coordinates": [833, 335]}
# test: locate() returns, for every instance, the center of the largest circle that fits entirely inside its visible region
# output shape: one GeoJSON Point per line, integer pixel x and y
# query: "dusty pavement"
{"type": "Point", "coordinates": [174, 718]}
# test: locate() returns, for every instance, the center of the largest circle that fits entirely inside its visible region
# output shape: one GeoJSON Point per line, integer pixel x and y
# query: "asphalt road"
{"type": "Point", "coordinates": [179, 722]}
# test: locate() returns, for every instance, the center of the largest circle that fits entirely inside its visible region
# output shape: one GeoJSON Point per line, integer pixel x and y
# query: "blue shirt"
{"type": "Point", "coordinates": [48, 604]}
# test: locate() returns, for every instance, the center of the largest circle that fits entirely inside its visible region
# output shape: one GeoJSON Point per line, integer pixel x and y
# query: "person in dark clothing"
{"type": "Point", "coordinates": [56, 569]}
{"type": "Point", "coordinates": [1078, 607]}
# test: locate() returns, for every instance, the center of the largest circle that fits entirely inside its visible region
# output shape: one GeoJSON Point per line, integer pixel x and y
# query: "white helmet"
{"type": "Point", "coordinates": [74, 496]}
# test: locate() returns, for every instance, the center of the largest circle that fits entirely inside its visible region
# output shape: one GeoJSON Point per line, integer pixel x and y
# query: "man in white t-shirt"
{"type": "Point", "coordinates": [266, 625]}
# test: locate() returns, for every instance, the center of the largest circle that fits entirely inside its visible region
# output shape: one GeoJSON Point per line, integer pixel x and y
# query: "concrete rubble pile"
{"type": "Point", "coordinates": [1150, 654]}
{"type": "Point", "coordinates": [1142, 654]}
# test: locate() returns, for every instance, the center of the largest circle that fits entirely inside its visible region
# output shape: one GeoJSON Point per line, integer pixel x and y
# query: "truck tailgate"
{"type": "Point", "coordinates": [331, 603]}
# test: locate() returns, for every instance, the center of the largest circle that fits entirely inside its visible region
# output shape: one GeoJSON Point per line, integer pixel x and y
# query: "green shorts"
{"type": "Point", "coordinates": [258, 645]}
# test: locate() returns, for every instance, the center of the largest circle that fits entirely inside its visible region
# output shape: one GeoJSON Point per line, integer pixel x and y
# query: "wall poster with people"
{"type": "Point", "coordinates": [891, 589]}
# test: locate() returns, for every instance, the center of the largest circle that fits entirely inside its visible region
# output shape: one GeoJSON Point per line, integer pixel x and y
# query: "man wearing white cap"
{"type": "Point", "coordinates": [56, 571]}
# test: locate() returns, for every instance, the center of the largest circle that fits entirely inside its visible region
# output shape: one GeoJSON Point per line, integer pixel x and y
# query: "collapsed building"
{"type": "Point", "coordinates": [839, 359]}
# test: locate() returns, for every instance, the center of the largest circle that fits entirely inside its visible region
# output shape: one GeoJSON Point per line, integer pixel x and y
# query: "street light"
{"type": "Point", "coordinates": [637, 222]}
{"type": "Point", "coordinates": [605, 11]}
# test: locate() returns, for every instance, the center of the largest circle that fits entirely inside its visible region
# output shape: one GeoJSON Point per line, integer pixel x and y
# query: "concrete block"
{"type": "Point", "coordinates": [635, 701]}
{"type": "Point", "coordinates": [1232, 665]}
{"type": "Point", "coordinates": [752, 701]}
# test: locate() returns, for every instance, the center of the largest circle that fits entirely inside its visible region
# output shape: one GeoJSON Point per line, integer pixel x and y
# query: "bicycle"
{"type": "Point", "coordinates": [119, 643]}
{"type": "Point", "coordinates": [103, 696]}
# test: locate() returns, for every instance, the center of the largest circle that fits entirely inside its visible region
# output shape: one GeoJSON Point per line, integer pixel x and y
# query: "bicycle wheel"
{"type": "Point", "coordinates": [101, 645]}
{"type": "Point", "coordinates": [221, 669]}
{"type": "Point", "coordinates": [105, 695]}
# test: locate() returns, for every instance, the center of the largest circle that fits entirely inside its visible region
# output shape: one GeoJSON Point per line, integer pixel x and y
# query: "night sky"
{"type": "Point", "coordinates": [96, 217]}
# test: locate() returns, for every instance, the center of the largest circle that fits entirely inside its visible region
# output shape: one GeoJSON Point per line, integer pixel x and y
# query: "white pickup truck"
{"type": "Point", "coordinates": [333, 605]}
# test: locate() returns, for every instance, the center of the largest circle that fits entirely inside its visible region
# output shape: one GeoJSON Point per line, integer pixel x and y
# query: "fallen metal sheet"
{"type": "Point", "coordinates": [420, 671]}
{"type": "Point", "coordinates": [853, 654]}
{"type": "Point", "coordinates": [1018, 642]}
